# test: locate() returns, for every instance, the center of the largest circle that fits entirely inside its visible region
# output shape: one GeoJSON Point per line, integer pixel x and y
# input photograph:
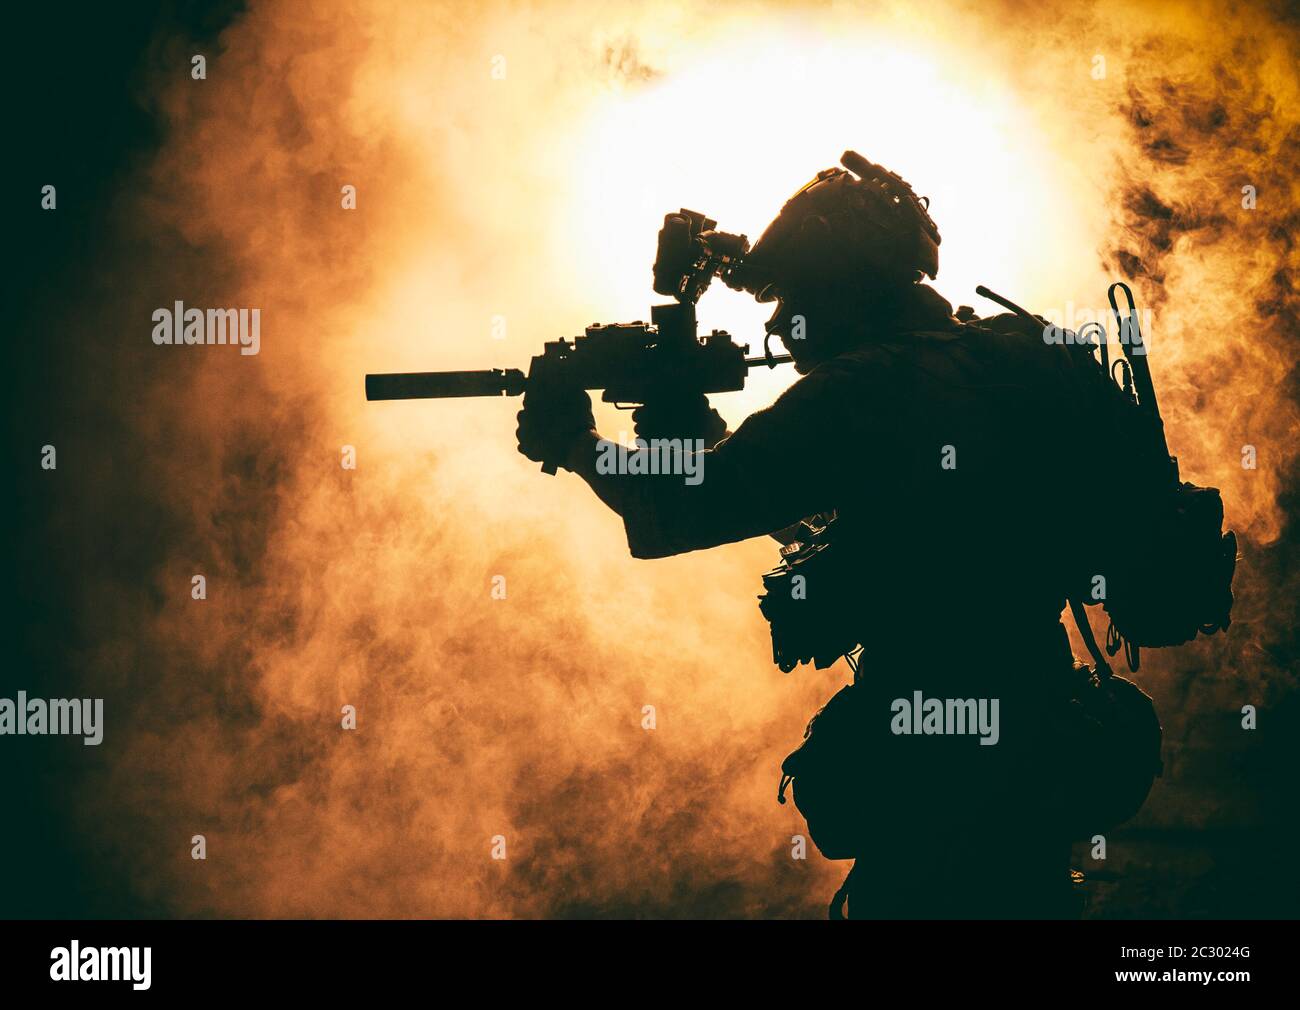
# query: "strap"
{"type": "Point", "coordinates": [836, 910]}
{"type": "Point", "coordinates": [1102, 668]}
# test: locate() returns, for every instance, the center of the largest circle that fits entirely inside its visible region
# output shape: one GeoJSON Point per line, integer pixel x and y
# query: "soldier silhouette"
{"type": "Point", "coordinates": [942, 445]}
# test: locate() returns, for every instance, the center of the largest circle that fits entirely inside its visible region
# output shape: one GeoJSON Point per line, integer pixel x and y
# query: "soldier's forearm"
{"type": "Point", "coordinates": [611, 488]}
{"type": "Point", "coordinates": [661, 517]}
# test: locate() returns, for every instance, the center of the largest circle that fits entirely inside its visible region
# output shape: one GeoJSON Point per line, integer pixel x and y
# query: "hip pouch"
{"type": "Point", "coordinates": [1105, 740]}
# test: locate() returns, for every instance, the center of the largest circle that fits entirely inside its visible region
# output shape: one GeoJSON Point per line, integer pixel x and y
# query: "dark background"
{"type": "Point", "coordinates": [76, 87]}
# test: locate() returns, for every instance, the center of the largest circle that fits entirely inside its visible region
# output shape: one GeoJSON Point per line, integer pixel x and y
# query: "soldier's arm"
{"type": "Point", "coordinates": [783, 463]}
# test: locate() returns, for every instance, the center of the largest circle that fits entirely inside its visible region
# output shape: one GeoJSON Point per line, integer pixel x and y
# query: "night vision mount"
{"type": "Point", "coordinates": [692, 252]}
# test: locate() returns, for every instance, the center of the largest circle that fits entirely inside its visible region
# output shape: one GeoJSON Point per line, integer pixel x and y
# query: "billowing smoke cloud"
{"type": "Point", "coordinates": [523, 717]}
{"type": "Point", "coordinates": [1206, 208]}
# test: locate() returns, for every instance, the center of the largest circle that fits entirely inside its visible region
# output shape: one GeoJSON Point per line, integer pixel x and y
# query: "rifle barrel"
{"type": "Point", "coordinates": [444, 385]}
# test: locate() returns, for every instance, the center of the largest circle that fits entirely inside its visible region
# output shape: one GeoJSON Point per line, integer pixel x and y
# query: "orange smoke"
{"type": "Point", "coordinates": [511, 166]}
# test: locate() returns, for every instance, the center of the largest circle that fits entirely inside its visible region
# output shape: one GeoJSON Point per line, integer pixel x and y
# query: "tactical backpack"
{"type": "Point", "coordinates": [1169, 576]}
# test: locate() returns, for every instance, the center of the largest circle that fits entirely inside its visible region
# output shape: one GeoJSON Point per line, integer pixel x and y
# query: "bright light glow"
{"type": "Point", "coordinates": [740, 123]}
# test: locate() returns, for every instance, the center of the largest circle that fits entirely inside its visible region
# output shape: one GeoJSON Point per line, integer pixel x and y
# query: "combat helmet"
{"type": "Point", "coordinates": [857, 223]}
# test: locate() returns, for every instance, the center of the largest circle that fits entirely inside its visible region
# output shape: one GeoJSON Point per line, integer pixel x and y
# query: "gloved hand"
{"type": "Point", "coordinates": [553, 418]}
{"type": "Point", "coordinates": [687, 416]}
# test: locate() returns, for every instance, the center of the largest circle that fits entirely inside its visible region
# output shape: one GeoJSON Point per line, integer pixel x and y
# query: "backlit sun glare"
{"type": "Point", "coordinates": [736, 129]}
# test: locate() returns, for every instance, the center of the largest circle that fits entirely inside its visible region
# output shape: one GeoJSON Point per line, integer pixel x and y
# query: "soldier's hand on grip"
{"type": "Point", "coordinates": [553, 418]}
{"type": "Point", "coordinates": [688, 416]}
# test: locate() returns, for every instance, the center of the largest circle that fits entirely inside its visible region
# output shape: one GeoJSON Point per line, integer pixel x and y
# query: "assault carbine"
{"type": "Point", "coordinates": [633, 363]}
